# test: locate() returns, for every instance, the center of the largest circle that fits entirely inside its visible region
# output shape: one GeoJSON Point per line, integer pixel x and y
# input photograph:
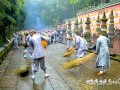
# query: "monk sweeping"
{"type": "Point", "coordinates": [102, 49]}
{"type": "Point", "coordinates": [81, 46]}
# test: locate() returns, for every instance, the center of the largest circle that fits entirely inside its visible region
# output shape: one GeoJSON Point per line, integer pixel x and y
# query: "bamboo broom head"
{"type": "Point", "coordinates": [79, 61]}
{"type": "Point", "coordinates": [67, 54]}
{"type": "Point", "coordinates": [70, 49]}
{"type": "Point", "coordinates": [23, 71]}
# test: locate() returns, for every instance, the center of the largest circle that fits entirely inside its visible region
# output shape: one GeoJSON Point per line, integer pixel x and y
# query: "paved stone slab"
{"type": "Point", "coordinates": [42, 84]}
{"type": "Point", "coordinates": [59, 84]}
{"type": "Point", "coordinates": [79, 78]}
{"type": "Point", "coordinates": [8, 81]}
{"type": "Point", "coordinates": [10, 88]}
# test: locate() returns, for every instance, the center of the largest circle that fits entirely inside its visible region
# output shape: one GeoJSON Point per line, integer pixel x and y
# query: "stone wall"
{"type": "Point", "coordinates": [116, 45]}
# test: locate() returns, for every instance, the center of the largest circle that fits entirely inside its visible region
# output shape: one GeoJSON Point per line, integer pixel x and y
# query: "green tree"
{"type": "Point", "coordinates": [9, 13]}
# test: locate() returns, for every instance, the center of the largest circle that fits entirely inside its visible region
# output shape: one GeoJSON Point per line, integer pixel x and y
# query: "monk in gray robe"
{"type": "Point", "coordinates": [81, 46]}
{"type": "Point", "coordinates": [38, 55]}
{"type": "Point", "coordinates": [102, 49]}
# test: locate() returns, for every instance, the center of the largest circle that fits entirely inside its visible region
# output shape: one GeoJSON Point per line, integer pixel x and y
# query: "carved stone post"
{"type": "Point", "coordinates": [98, 23]}
{"type": "Point", "coordinates": [111, 28]}
{"type": "Point", "coordinates": [87, 32]}
{"type": "Point", "coordinates": [81, 28]}
{"type": "Point", "coordinates": [103, 25]}
{"type": "Point", "coordinates": [76, 29]}
{"type": "Point", "coordinates": [97, 29]}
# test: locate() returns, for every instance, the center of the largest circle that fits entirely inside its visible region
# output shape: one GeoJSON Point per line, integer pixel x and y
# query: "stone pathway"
{"type": "Point", "coordinates": [82, 77]}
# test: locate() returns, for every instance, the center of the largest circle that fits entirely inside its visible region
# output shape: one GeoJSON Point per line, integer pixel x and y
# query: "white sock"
{"type": "Point", "coordinates": [101, 71]}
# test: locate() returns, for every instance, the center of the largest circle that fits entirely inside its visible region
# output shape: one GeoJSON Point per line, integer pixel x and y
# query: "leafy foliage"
{"type": "Point", "coordinates": [73, 1]}
{"type": "Point", "coordinates": [12, 12]}
{"type": "Point", "coordinates": [55, 11]}
{"type": "Point", "coordinates": [9, 14]}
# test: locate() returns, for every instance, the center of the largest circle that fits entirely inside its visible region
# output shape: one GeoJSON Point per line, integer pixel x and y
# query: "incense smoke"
{"type": "Point", "coordinates": [33, 18]}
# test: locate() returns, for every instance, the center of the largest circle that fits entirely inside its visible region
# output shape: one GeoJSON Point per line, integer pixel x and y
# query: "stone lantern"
{"type": "Point", "coordinates": [103, 25]}
{"type": "Point", "coordinates": [76, 29]}
{"type": "Point", "coordinates": [87, 32]}
{"type": "Point", "coordinates": [69, 28]}
{"type": "Point", "coordinates": [111, 28]}
{"type": "Point", "coordinates": [98, 23]}
{"type": "Point", "coordinates": [81, 28]}
{"type": "Point", "coordinates": [69, 25]}
{"type": "Point", "coordinates": [97, 29]}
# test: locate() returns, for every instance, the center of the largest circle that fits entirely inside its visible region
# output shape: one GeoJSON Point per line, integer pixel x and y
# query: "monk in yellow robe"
{"type": "Point", "coordinates": [44, 43]}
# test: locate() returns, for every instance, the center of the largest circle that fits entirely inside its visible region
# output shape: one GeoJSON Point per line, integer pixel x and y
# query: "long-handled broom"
{"type": "Point", "coordinates": [79, 61]}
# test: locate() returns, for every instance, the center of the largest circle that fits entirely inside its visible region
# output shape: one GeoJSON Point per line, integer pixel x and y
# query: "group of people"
{"type": "Point", "coordinates": [79, 43]}
{"type": "Point", "coordinates": [102, 49]}
{"type": "Point", "coordinates": [35, 49]}
{"type": "Point", "coordinates": [20, 38]}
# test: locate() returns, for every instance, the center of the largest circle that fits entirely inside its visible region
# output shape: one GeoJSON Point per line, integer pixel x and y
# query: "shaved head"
{"type": "Point", "coordinates": [32, 32]}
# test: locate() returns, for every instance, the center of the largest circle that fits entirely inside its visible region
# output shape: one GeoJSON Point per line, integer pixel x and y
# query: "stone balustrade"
{"type": "Point", "coordinates": [4, 50]}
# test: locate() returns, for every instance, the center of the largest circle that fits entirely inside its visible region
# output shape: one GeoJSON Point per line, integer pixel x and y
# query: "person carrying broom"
{"type": "Point", "coordinates": [103, 59]}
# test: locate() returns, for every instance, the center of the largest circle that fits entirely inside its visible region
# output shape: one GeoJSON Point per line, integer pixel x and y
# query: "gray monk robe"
{"type": "Point", "coordinates": [38, 52]}
{"type": "Point", "coordinates": [69, 43]}
{"type": "Point", "coordinates": [103, 59]}
{"type": "Point", "coordinates": [81, 45]}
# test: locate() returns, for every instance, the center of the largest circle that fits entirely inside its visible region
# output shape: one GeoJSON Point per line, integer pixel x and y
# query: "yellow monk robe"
{"type": "Point", "coordinates": [44, 43]}
{"type": "Point", "coordinates": [23, 37]}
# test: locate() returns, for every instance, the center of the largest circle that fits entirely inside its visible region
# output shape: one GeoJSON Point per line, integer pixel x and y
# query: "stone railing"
{"type": "Point", "coordinates": [4, 50]}
{"type": "Point", "coordinates": [99, 7]}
